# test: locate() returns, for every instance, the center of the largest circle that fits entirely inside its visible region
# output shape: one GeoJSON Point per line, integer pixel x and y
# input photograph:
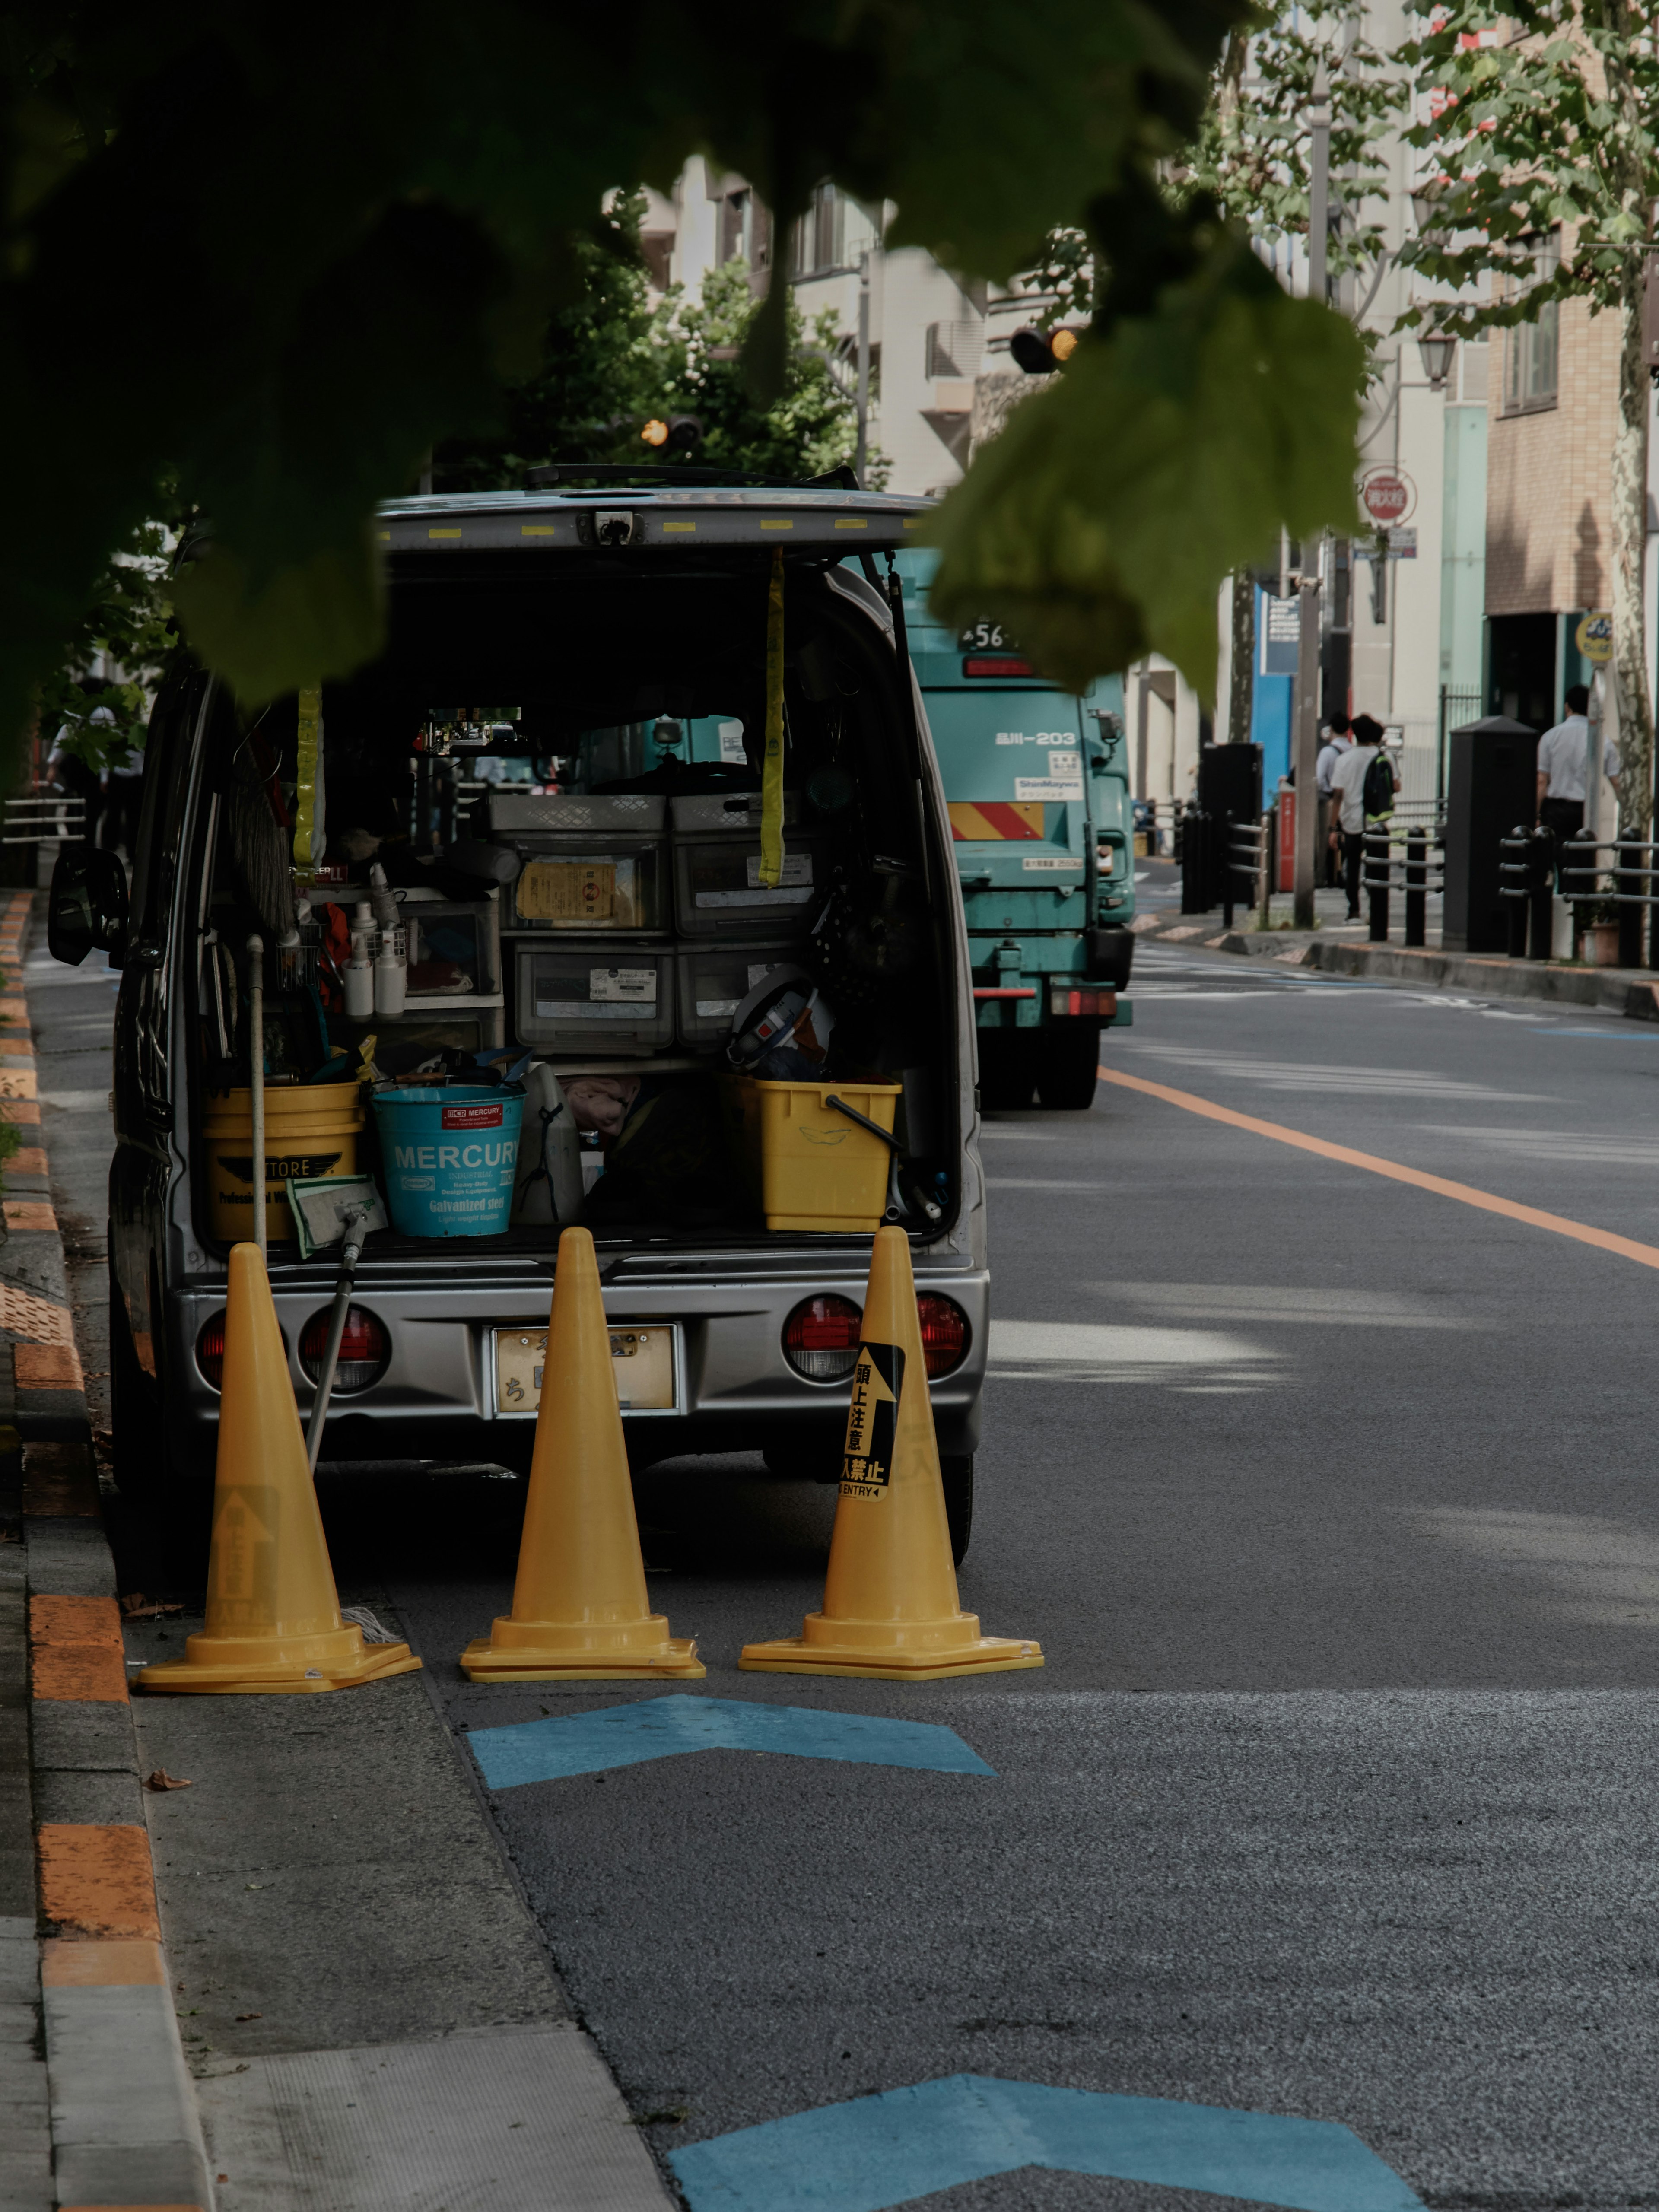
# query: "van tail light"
{"type": "Point", "coordinates": [944, 1333]}
{"type": "Point", "coordinates": [210, 1350]}
{"type": "Point", "coordinates": [364, 1350]}
{"type": "Point", "coordinates": [821, 1338]}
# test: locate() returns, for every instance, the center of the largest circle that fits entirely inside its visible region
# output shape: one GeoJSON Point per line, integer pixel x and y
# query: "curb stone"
{"type": "Point", "coordinates": [108, 2117]}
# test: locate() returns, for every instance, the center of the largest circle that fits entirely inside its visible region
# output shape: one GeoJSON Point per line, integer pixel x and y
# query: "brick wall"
{"type": "Point", "coordinates": [1549, 479]}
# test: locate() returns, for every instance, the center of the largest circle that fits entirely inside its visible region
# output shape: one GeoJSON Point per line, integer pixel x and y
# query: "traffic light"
{"type": "Point", "coordinates": [673, 434]}
{"type": "Point", "coordinates": [1040, 353]}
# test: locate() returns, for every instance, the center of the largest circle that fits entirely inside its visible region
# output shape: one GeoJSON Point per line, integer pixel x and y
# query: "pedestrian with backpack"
{"type": "Point", "coordinates": [1363, 787]}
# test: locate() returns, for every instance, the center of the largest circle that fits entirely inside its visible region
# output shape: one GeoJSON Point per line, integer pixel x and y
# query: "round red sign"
{"type": "Point", "coordinates": [1387, 495]}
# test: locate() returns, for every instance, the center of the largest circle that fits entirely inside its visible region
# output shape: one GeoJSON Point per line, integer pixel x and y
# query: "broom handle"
{"type": "Point", "coordinates": [256, 1056]}
{"type": "Point", "coordinates": [351, 1245]}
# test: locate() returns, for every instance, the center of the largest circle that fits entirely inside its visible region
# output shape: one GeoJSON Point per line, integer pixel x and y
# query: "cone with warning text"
{"type": "Point", "coordinates": [273, 1617]}
{"type": "Point", "coordinates": [889, 1598]}
{"type": "Point", "coordinates": [579, 1608]}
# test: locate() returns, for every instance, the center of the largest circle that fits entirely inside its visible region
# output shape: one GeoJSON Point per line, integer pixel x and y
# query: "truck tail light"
{"type": "Point", "coordinates": [821, 1338]}
{"type": "Point", "coordinates": [944, 1333]}
{"type": "Point", "coordinates": [364, 1350]}
{"type": "Point", "coordinates": [1100, 1004]}
{"type": "Point", "coordinates": [996, 663]}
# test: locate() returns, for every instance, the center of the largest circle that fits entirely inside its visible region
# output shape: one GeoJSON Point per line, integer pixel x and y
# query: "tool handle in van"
{"type": "Point", "coordinates": [865, 1122]}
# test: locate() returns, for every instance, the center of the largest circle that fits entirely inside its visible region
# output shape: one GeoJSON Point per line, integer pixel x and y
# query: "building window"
{"type": "Point", "coordinates": [831, 235]}
{"type": "Point", "coordinates": [1532, 350]}
{"type": "Point", "coordinates": [953, 350]}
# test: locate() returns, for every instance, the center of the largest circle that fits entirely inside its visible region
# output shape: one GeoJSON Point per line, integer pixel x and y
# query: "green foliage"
{"type": "Point", "coordinates": [1541, 116]}
{"type": "Point", "coordinates": [810, 428]}
{"type": "Point", "coordinates": [1095, 550]}
{"type": "Point", "coordinates": [612, 362]}
{"type": "Point", "coordinates": [127, 620]}
{"type": "Point", "coordinates": [341, 232]}
{"type": "Point", "coordinates": [1064, 270]}
{"type": "Point", "coordinates": [1252, 152]}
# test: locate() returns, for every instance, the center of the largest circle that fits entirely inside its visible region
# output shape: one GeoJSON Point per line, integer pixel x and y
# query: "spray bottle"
{"type": "Point", "coordinates": [390, 959]}
{"type": "Point", "coordinates": [359, 977]}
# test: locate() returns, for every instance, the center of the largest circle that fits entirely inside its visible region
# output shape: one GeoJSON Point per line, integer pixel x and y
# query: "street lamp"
{"type": "Point", "coordinates": [1437, 350]}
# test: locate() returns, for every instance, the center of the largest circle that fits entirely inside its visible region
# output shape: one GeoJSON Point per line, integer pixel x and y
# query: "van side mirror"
{"type": "Point", "coordinates": [86, 906]}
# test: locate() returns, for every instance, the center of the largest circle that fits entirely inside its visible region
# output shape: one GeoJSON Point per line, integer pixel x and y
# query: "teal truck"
{"type": "Point", "coordinates": [1038, 789]}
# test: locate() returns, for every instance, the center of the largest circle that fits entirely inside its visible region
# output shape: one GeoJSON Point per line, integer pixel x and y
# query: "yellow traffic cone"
{"type": "Point", "coordinates": [273, 1618]}
{"type": "Point", "coordinates": [579, 1608]}
{"type": "Point", "coordinates": [890, 1599]}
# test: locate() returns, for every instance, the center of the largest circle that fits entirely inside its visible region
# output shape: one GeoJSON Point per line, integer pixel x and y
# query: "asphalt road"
{"type": "Point", "coordinates": [1332, 1501]}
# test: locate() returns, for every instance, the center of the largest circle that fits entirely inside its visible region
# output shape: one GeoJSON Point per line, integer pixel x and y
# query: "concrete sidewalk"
{"type": "Point", "coordinates": [354, 2011]}
{"type": "Point", "coordinates": [1632, 992]}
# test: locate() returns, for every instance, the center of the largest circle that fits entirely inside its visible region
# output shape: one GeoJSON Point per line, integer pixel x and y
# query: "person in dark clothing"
{"type": "Point", "coordinates": [1349, 801]}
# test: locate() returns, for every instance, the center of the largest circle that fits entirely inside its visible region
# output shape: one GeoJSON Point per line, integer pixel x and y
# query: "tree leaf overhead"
{"type": "Point", "coordinates": [1099, 526]}
{"type": "Point", "coordinates": [272, 256]}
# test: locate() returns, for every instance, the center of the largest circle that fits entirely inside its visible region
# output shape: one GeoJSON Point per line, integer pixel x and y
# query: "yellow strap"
{"type": "Point", "coordinates": [305, 826]}
{"type": "Point", "coordinates": [771, 860]}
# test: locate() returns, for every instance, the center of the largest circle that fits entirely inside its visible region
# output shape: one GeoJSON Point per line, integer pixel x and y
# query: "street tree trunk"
{"type": "Point", "coordinates": [1630, 449]}
{"type": "Point", "coordinates": [1240, 695]}
{"type": "Point", "coordinates": [1630, 538]}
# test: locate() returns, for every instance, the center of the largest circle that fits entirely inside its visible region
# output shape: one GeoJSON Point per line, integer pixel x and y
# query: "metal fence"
{"type": "Point", "coordinates": [44, 819]}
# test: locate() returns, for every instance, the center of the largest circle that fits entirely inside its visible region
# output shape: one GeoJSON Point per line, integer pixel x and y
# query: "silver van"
{"type": "Point", "coordinates": [579, 673]}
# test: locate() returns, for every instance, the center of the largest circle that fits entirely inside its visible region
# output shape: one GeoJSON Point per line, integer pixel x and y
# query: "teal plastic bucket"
{"type": "Point", "coordinates": [449, 1158]}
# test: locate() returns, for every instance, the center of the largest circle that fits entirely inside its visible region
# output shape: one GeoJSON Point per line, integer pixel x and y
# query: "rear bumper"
{"type": "Point", "coordinates": [436, 1400]}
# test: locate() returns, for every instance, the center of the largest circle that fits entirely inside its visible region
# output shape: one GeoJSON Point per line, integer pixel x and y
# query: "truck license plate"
{"type": "Point", "coordinates": [642, 1360]}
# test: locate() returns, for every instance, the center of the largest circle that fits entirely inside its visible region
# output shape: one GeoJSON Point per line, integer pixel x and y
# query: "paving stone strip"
{"type": "Point", "coordinates": [107, 2116]}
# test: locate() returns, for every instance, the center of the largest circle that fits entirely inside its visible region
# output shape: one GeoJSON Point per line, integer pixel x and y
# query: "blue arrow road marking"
{"type": "Point", "coordinates": [878, 2151]}
{"type": "Point", "coordinates": [661, 1728]}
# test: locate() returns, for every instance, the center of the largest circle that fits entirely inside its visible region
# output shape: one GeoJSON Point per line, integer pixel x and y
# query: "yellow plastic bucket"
{"type": "Point", "coordinates": [311, 1130]}
{"type": "Point", "coordinates": [809, 1165]}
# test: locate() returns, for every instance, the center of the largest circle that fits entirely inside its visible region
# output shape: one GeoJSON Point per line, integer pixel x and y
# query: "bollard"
{"type": "Point", "coordinates": [1376, 866]}
{"type": "Point", "coordinates": [1630, 884]}
{"type": "Point", "coordinates": [1541, 862]}
{"type": "Point", "coordinates": [1195, 860]}
{"type": "Point", "coordinates": [1417, 887]}
{"type": "Point", "coordinates": [1578, 880]}
{"type": "Point", "coordinates": [1516, 886]}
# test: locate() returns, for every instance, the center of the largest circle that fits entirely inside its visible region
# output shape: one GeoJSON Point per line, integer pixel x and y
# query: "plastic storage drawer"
{"type": "Point", "coordinates": [718, 892]}
{"type": "Point", "coordinates": [713, 981]}
{"type": "Point", "coordinates": [599, 997]}
{"type": "Point", "coordinates": [588, 864]}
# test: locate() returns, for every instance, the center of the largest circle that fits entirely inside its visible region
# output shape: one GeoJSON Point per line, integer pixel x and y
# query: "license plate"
{"type": "Point", "coordinates": [643, 1359]}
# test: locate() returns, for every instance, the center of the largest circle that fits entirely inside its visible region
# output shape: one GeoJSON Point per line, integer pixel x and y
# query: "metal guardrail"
{"type": "Point", "coordinates": [1401, 852]}
{"type": "Point", "coordinates": [1162, 831]}
{"type": "Point", "coordinates": [1536, 863]}
{"type": "Point", "coordinates": [44, 819]}
{"type": "Point", "coordinates": [1248, 852]}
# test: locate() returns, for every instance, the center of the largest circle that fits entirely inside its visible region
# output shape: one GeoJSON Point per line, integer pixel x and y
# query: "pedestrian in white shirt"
{"type": "Point", "coordinates": [1353, 802]}
{"type": "Point", "coordinates": [1339, 737]}
{"type": "Point", "coordinates": [1563, 755]}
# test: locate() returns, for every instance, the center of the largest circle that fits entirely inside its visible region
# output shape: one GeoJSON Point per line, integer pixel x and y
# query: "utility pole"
{"type": "Point", "coordinates": [1306, 753]}
{"type": "Point", "coordinates": [862, 451]}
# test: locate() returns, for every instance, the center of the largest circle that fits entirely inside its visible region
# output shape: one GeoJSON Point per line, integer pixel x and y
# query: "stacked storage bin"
{"type": "Point", "coordinates": [590, 921]}
{"type": "Point", "coordinates": [732, 930]}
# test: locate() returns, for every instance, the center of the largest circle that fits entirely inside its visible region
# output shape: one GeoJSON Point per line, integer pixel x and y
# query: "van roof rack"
{"type": "Point", "coordinates": [651, 474]}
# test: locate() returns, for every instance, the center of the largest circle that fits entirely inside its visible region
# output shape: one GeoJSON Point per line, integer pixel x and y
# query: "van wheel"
{"type": "Point", "coordinates": [135, 1413]}
{"type": "Point", "coordinates": [958, 1475]}
{"type": "Point", "coordinates": [1007, 1071]}
{"type": "Point", "coordinates": [1067, 1072]}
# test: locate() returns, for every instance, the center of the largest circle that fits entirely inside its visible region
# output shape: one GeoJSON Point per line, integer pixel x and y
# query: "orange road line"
{"type": "Point", "coordinates": [1645, 1255]}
